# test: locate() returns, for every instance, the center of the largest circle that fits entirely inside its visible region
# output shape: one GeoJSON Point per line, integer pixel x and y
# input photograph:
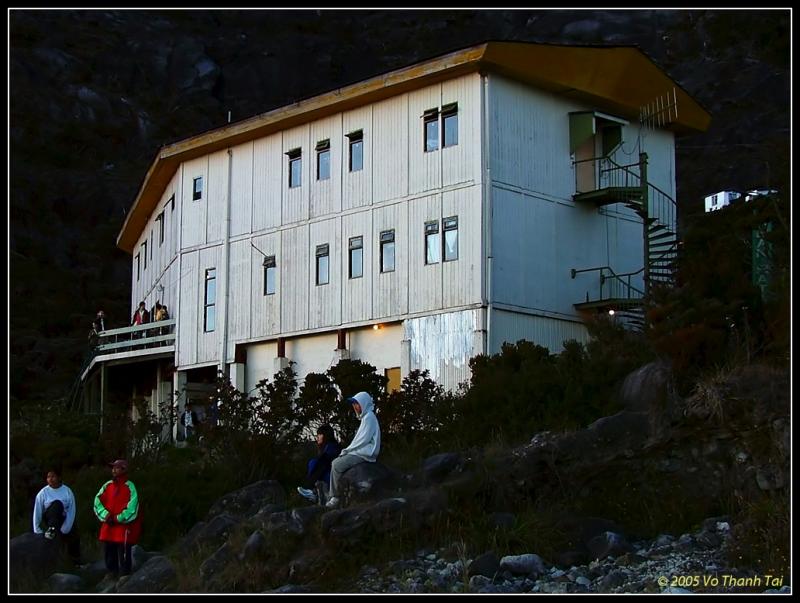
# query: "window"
{"type": "Point", "coordinates": [432, 242]}
{"type": "Point", "coordinates": [210, 311]}
{"type": "Point", "coordinates": [138, 267]}
{"type": "Point", "coordinates": [393, 381]}
{"type": "Point", "coordinates": [153, 242]}
{"type": "Point", "coordinates": [323, 264]}
{"type": "Point", "coordinates": [172, 202]}
{"type": "Point", "coordinates": [431, 130]}
{"type": "Point", "coordinates": [160, 220]}
{"type": "Point", "coordinates": [323, 160]}
{"type": "Point", "coordinates": [295, 167]}
{"type": "Point", "coordinates": [387, 251]}
{"type": "Point", "coordinates": [197, 188]}
{"type": "Point", "coordinates": [356, 150]}
{"type": "Point", "coordinates": [270, 273]}
{"type": "Point", "coordinates": [713, 200]}
{"type": "Point", "coordinates": [450, 125]}
{"type": "Point", "coordinates": [450, 238]}
{"type": "Point", "coordinates": [144, 254]}
{"type": "Point", "coordinates": [356, 261]}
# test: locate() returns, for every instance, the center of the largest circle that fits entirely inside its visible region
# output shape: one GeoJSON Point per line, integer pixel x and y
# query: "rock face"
{"type": "Point", "coordinates": [248, 500]}
{"type": "Point", "coordinates": [157, 575]}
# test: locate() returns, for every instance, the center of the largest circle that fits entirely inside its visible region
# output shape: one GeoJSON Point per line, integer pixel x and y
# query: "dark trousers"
{"type": "Point", "coordinates": [118, 558]}
{"type": "Point", "coordinates": [317, 470]}
{"type": "Point", "coordinates": [54, 518]}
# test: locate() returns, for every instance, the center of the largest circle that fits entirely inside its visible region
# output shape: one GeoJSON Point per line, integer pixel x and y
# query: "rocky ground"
{"type": "Point", "coordinates": [689, 563]}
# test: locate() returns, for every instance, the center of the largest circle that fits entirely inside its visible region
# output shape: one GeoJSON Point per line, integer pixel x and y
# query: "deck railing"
{"type": "Point", "coordinates": [597, 173]}
{"type": "Point", "coordinates": [137, 337]}
{"type": "Point", "coordinates": [613, 285]}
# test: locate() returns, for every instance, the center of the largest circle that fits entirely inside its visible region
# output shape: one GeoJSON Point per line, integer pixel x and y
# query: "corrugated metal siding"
{"type": "Point", "coordinates": [530, 138]}
{"type": "Point", "coordinates": [424, 169]}
{"type": "Point", "coordinates": [193, 222]}
{"type": "Point", "coordinates": [294, 279]}
{"type": "Point", "coordinates": [425, 286]}
{"type": "Point", "coordinates": [548, 332]}
{"type": "Point", "coordinates": [215, 196]}
{"type": "Point", "coordinates": [295, 200]}
{"type": "Point", "coordinates": [390, 144]}
{"type": "Point", "coordinates": [357, 186]}
{"type": "Point", "coordinates": [265, 309]}
{"type": "Point", "coordinates": [208, 343]}
{"type": "Point", "coordinates": [239, 295]}
{"type": "Point", "coordinates": [390, 292]}
{"type": "Point", "coordinates": [187, 323]}
{"type": "Point", "coordinates": [326, 195]}
{"type": "Point", "coordinates": [443, 345]}
{"type": "Point", "coordinates": [267, 171]}
{"type": "Point", "coordinates": [462, 278]}
{"type": "Point", "coordinates": [357, 292]}
{"type": "Point", "coordinates": [461, 163]}
{"type": "Point", "coordinates": [325, 301]}
{"type": "Point", "coordinates": [242, 189]}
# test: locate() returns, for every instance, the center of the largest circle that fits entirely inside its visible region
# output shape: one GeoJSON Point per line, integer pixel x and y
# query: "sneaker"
{"type": "Point", "coordinates": [332, 503]}
{"type": "Point", "coordinates": [307, 494]}
{"type": "Point", "coordinates": [50, 533]}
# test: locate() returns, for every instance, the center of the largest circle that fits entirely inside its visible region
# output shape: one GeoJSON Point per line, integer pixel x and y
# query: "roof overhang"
{"type": "Point", "coordinates": [618, 79]}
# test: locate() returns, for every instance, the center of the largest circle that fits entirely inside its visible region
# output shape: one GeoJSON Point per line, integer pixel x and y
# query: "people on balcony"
{"type": "Point", "coordinates": [141, 316]}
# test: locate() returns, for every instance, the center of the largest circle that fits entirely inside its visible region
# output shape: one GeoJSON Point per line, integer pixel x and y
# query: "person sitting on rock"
{"type": "Point", "coordinates": [319, 468]}
{"type": "Point", "coordinates": [364, 448]}
{"type": "Point", "coordinates": [54, 513]}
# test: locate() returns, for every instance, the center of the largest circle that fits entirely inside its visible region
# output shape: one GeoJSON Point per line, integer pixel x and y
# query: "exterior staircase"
{"type": "Point", "coordinates": [626, 294]}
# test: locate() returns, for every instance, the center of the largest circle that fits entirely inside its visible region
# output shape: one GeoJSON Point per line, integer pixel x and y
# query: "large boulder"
{"type": "Point", "coordinates": [247, 501]}
{"type": "Point", "coordinates": [157, 575]}
{"type": "Point", "coordinates": [368, 481]}
{"type": "Point", "coordinates": [650, 389]}
{"type": "Point", "coordinates": [439, 466]}
{"type": "Point", "coordinates": [212, 533]}
{"type": "Point", "coordinates": [32, 558]}
{"type": "Point", "coordinates": [65, 583]}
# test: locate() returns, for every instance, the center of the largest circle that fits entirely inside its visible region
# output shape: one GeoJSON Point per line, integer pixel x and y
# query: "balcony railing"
{"type": "Point", "coordinates": [614, 287]}
{"type": "Point", "coordinates": [597, 173]}
{"type": "Point", "coordinates": [138, 337]}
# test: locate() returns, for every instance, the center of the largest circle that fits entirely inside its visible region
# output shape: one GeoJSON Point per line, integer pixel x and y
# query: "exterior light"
{"type": "Point", "coordinates": [375, 327]}
{"type": "Point", "coordinates": [611, 312]}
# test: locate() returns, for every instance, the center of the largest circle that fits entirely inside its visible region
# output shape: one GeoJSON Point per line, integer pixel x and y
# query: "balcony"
{"type": "Point", "coordinates": [139, 342]}
{"type": "Point", "coordinates": [601, 181]}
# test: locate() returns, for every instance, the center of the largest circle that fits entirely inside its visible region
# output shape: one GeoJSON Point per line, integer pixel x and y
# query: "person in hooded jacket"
{"type": "Point", "coordinates": [116, 505]}
{"type": "Point", "coordinates": [364, 448]}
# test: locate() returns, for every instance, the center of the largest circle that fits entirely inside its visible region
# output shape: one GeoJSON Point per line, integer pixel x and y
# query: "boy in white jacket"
{"type": "Point", "coordinates": [54, 513]}
{"type": "Point", "coordinates": [364, 448]}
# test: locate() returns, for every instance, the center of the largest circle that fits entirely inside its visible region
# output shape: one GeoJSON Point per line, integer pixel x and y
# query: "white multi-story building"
{"type": "Point", "coordinates": [412, 220]}
{"type": "Point", "coordinates": [720, 200]}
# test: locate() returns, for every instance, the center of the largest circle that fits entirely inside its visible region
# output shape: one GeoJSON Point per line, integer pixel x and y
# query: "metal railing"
{"type": "Point", "coordinates": [137, 337]}
{"type": "Point", "coordinates": [616, 286]}
{"type": "Point", "coordinates": [604, 173]}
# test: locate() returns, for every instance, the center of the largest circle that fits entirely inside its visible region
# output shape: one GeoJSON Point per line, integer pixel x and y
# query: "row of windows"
{"type": "Point", "coordinates": [433, 121]}
{"type": "Point", "coordinates": [355, 263]}
{"type": "Point", "coordinates": [160, 221]}
{"type": "Point", "coordinates": [435, 248]}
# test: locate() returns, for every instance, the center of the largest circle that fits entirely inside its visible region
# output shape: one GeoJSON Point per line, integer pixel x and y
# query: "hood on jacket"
{"type": "Point", "coordinates": [365, 400]}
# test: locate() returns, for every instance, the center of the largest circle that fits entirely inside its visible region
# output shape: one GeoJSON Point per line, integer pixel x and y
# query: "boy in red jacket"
{"type": "Point", "coordinates": [116, 505]}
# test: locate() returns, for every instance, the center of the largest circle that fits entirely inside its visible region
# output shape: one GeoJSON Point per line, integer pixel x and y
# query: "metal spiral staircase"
{"type": "Point", "coordinates": [627, 293]}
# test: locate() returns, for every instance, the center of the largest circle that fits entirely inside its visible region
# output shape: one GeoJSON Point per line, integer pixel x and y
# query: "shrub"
{"type": "Point", "coordinates": [760, 537]}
